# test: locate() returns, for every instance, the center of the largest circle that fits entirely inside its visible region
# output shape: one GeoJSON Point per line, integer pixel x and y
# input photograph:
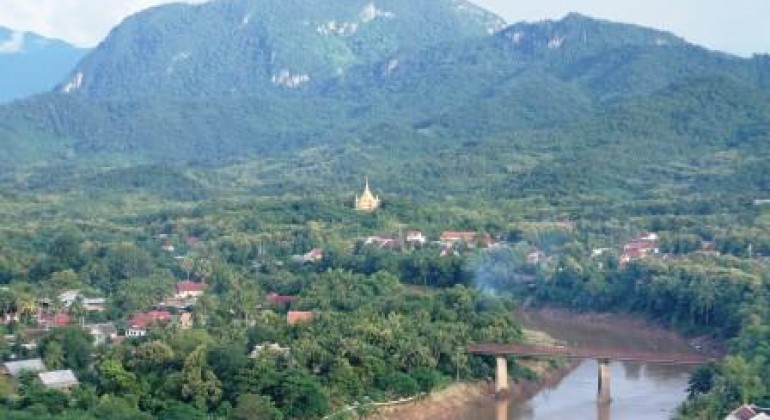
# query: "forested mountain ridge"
{"type": "Point", "coordinates": [389, 87]}
{"type": "Point", "coordinates": [31, 64]}
{"type": "Point", "coordinates": [257, 47]}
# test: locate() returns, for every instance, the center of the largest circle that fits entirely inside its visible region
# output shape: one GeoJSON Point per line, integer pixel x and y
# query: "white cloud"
{"type": "Point", "coordinates": [81, 22]}
{"type": "Point", "coordinates": [14, 44]}
{"type": "Point", "coordinates": [737, 26]}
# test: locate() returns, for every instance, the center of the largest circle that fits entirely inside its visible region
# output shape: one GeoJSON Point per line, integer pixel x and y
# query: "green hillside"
{"type": "Point", "coordinates": [551, 108]}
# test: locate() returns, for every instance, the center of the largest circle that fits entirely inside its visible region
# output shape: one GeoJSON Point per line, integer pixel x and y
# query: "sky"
{"type": "Point", "coordinates": [740, 27]}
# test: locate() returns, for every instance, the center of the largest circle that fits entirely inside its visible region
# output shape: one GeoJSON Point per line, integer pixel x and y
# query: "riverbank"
{"type": "Point", "coordinates": [647, 335]}
{"type": "Point", "coordinates": [461, 400]}
{"type": "Point", "coordinates": [643, 391]}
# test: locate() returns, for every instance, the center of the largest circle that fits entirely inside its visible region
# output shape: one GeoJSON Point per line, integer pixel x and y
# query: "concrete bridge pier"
{"type": "Point", "coordinates": [604, 396]}
{"type": "Point", "coordinates": [501, 378]}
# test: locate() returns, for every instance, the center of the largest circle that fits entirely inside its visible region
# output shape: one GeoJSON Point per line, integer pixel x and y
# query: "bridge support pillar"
{"type": "Point", "coordinates": [604, 396]}
{"type": "Point", "coordinates": [501, 377]}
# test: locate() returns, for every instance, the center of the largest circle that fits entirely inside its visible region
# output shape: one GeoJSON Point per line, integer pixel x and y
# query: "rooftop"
{"type": "Point", "coordinates": [58, 379]}
{"type": "Point", "coordinates": [15, 368]}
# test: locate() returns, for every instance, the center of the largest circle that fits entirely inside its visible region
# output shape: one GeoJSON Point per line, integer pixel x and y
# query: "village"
{"type": "Point", "coordinates": [178, 310]}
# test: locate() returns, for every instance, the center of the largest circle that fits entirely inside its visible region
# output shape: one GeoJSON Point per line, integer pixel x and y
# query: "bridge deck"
{"type": "Point", "coordinates": [587, 353]}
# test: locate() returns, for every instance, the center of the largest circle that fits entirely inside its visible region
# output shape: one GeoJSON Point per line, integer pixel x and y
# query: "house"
{"type": "Point", "coordinates": [314, 255]}
{"type": "Point", "coordinates": [274, 299]}
{"type": "Point", "coordinates": [69, 297]}
{"type": "Point", "coordinates": [102, 333]}
{"type": "Point", "coordinates": [271, 347]}
{"type": "Point", "coordinates": [53, 320]}
{"type": "Point", "coordinates": [185, 321]}
{"type": "Point", "coordinates": [16, 368]}
{"type": "Point", "coordinates": [95, 304]}
{"type": "Point", "coordinates": [298, 317]}
{"type": "Point", "coordinates": [58, 379]}
{"type": "Point", "coordinates": [631, 255]}
{"type": "Point", "coordinates": [455, 237]}
{"type": "Point", "coordinates": [644, 244]}
{"type": "Point", "coordinates": [415, 237]}
{"type": "Point", "coordinates": [749, 412]}
{"type": "Point", "coordinates": [382, 242]}
{"type": "Point", "coordinates": [448, 250]}
{"type": "Point", "coordinates": [138, 324]}
{"type": "Point", "coordinates": [647, 237]}
{"type": "Point", "coordinates": [189, 289]}
{"type": "Point", "coordinates": [168, 247]}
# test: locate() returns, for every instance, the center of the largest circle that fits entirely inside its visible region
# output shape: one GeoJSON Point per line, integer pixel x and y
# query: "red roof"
{"type": "Point", "coordinates": [55, 320]}
{"type": "Point", "coordinates": [298, 317]}
{"type": "Point", "coordinates": [745, 413]}
{"type": "Point", "coordinates": [276, 299]}
{"type": "Point", "coordinates": [190, 286]}
{"type": "Point", "coordinates": [142, 320]}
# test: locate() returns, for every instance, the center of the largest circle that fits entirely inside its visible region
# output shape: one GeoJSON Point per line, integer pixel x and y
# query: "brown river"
{"type": "Point", "coordinates": [639, 391]}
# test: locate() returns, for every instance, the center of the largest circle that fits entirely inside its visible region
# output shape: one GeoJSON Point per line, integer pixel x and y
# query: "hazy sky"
{"type": "Point", "coordinates": [738, 26]}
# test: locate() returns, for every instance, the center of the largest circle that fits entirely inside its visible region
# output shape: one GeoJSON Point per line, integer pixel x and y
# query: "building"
{"type": "Point", "coordinates": [138, 324]}
{"type": "Point", "coordinates": [749, 412]}
{"type": "Point", "coordinates": [58, 379]}
{"type": "Point", "coordinates": [367, 201]}
{"type": "Point", "coordinates": [186, 321]}
{"type": "Point", "coordinates": [382, 242]}
{"type": "Point", "coordinates": [189, 289]}
{"type": "Point", "coordinates": [298, 317]}
{"type": "Point", "coordinates": [16, 368]}
{"type": "Point", "coordinates": [53, 320]}
{"type": "Point", "coordinates": [269, 347]}
{"type": "Point", "coordinates": [69, 297]}
{"type": "Point", "coordinates": [312, 256]}
{"type": "Point", "coordinates": [102, 333]}
{"type": "Point", "coordinates": [274, 299]}
{"type": "Point", "coordinates": [455, 237]}
{"type": "Point", "coordinates": [643, 245]}
{"type": "Point", "coordinates": [415, 237]}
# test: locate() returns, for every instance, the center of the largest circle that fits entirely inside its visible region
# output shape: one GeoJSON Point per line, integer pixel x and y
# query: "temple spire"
{"type": "Point", "coordinates": [367, 201]}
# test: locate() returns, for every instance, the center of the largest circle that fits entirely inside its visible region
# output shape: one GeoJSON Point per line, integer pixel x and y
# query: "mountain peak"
{"type": "Point", "coordinates": [248, 47]}
{"type": "Point", "coordinates": [581, 32]}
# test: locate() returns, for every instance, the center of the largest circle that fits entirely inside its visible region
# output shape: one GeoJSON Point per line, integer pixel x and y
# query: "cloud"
{"type": "Point", "coordinates": [737, 26]}
{"type": "Point", "coordinates": [14, 44]}
{"type": "Point", "coordinates": [81, 22]}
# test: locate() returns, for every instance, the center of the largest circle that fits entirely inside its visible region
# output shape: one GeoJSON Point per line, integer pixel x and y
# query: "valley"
{"type": "Point", "coordinates": [288, 209]}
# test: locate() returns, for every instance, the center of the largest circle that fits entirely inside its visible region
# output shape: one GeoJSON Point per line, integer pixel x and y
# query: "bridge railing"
{"type": "Point", "coordinates": [586, 353]}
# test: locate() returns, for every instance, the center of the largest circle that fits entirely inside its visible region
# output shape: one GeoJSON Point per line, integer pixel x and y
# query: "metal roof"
{"type": "Point", "coordinates": [58, 378]}
{"type": "Point", "coordinates": [15, 368]}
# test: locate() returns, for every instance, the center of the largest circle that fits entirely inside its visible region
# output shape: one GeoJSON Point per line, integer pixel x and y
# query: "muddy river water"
{"type": "Point", "coordinates": [640, 391]}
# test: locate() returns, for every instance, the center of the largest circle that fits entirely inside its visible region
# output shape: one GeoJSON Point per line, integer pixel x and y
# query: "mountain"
{"type": "Point", "coordinates": [303, 95]}
{"type": "Point", "coordinates": [251, 47]}
{"type": "Point", "coordinates": [31, 64]}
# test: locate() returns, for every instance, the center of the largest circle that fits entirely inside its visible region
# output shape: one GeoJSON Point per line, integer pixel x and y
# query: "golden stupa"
{"type": "Point", "coordinates": [367, 201]}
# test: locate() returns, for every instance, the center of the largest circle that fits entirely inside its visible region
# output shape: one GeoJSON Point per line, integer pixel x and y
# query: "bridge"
{"type": "Point", "coordinates": [603, 356]}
